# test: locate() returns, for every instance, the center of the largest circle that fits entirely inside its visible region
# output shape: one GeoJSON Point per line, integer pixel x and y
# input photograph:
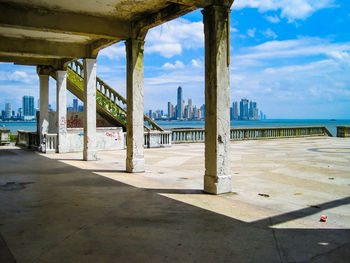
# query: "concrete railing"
{"type": "Point", "coordinates": [51, 143]}
{"type": "Point", "coordinates": [155, 139]}
{"type": "Point", "coordinates": [4, 137]}
{"type": "Point", "coordinates": [343, 131]}
{"type": "Point", "coordinates": [28, 139]}
{"type": "Point", "coordinates": [198, 135]}
{"type": "Point", "coordinates": [188, 135]}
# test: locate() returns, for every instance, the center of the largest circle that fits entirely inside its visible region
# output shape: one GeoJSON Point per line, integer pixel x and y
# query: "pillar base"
{"type": "Point", "coordinates": [90, 156]}
{"type": "Point", "coordinates": [135, 165]}
{"type": "Point", "coordinates": [42, 148]}
{"type": "Point", "coordinates": [218, 185]}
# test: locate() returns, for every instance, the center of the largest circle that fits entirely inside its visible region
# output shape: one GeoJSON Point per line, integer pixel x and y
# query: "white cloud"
{"type": "Point", "coordinates": [196, 63]}
{"type": "Point", "coordinates": [166, 50]}
{"type": "Point", "coordinates": [273, 19]}
{"type": "Point", "coordinates": [115, 52]}
{"type": "Point", "coordinates": [177, 65]}
{"type": "Point", "coordinates": [251, 32]}
{"type": "Point", "coordinates": [19, 76]}
{"type": "Point", "coordinates": [302, 47]}
{"type": "Point", "coordinates": [269, 33]}
{"type": "Point", "coordinates": [290, 9]}
{"type": "Point", "coordinates": [286, 77]}
{"type": "Point", "coordinates": [173, 37]}
{"type": "Point", "coordinates": [233, 30]}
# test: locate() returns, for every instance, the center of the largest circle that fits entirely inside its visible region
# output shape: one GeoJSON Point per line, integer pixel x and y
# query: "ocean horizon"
{"type": "Point", "coordinates": [331, 124]}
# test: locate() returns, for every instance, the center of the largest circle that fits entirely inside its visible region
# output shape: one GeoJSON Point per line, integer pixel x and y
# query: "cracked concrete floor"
{"type": "Point", "coordinates": [57, 208]}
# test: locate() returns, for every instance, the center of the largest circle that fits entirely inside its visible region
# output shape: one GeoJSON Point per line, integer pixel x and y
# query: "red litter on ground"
{"type": "Point", "coordinates": [323, 218]}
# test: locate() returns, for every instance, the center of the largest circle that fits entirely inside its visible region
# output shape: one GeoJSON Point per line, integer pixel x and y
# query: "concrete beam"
{"type": "Point", "coordinates": [40, 48]}
{"type": "Point", "coordinates": [34, 61]}
{"type": "Point", "coordinates": [217, 179]}
{"type": "Point", "coordinates": [98, 45]}
{"type": "Point", "coordinates": [194, 3]}
{"type": "Point", "coordinates": [89, 110]}
{"type": "Point", "coordinates": [135, 161]}
{"type": "Point", "coordinates": [172, 11]}
{"type": "Point", "coordinates": [59, 22]}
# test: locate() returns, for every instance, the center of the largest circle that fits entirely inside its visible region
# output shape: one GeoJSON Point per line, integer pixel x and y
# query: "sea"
{"type": "Point", "coordinates": [331, 124]}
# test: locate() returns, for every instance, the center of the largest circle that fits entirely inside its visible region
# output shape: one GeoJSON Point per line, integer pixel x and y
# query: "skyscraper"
{"type": "Point", "coordinates": [180, 108]}
{"type": "Point", "coordinates": [75, 105]}
{"type": "Point", "coordinates": [28, 107]}
{"type": "Point", "coordinates": [170, 111]}
{"type": "Point", "coordinates": [8, 110]}
{"type": "Point", "coordinates": [235, 110]}
{"type": "Point", "coordinates": [243, 109]}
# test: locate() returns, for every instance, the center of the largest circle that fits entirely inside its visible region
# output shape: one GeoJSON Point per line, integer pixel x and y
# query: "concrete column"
{"type": "Point", "coordinates": [61, 105]}
{"type": "Point", "coordinates": [217, 179]}
{"type": "Point", "coordinates": [90, 110]}
{"type": "Point", "coordinates": [135, 161]}
{"type": "Point", "coordinates": [44, 109]}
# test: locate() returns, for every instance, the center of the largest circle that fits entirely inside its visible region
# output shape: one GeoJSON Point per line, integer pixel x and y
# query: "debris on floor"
{"type": "Point", "coordinates": [323, 218]}
{"type": "Point", "coordinates": [264, 195]}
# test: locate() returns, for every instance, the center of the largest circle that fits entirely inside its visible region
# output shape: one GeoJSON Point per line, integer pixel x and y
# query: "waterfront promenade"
{"type": "Point", "coordinates": [57, 208]}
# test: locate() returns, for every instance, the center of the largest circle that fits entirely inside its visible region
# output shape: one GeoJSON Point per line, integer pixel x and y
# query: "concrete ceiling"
{"type": "Point", "coordinates": [46, 32]}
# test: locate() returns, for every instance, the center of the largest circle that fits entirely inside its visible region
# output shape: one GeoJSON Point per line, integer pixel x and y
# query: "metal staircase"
{"type": "Point", "coordinates": [109, 103]}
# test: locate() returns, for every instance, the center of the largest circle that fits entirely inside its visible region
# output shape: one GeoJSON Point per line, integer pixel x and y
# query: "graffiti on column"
{"type": "Point", "coordinates": [62, 124]}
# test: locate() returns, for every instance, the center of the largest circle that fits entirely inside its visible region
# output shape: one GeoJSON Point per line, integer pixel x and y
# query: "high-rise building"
{"type": "Point", "coordinates": [150, 115]}
{"type": "Point", "coordinates": [180, 108]}
{"type": "Point", "coordinates": [171, 113]}
{"type": "Point", "coordinates": [243, 109]}
{"type": "Point", "coordinates": [253, 111]}
{"type": "Point", "coordinates": [190, 109]}
{"type": "Point", "coordinates": [235, 110]}
{"type": "Point", "coordinates": [75, 105]}
{"type": "Point", "coordinates": [8, 110]}
{"type": "Point", "coordinates": [28, 107]}
{"type": "Point", "coordinates": [202, 109]}
{"type": "Point", "coordinates": [19, 113]}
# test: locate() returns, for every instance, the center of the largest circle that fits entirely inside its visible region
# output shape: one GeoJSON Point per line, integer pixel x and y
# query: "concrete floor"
{"type": "Point", "coordinates": [57, 208]}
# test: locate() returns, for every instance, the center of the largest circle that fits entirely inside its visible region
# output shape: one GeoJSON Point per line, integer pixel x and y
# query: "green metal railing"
{"type": "Point", "coordinates": [106, 97]}
{"type": "Point", "coordinates": [343, 131]}
{"type": "Point", "coordinates": [198, 135]}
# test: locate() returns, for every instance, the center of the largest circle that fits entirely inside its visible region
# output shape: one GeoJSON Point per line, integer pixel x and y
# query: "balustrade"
{"type": "Point", "coordinates": [198, 135]}
{"type": "Point", "coordinates": [343, 131]}
{"type": "Point", "coordinates": [28, 139]}
{"type": "Point", "coordinates": [4, 136]}
{"type": "Point", "coordinates": [51, 145]}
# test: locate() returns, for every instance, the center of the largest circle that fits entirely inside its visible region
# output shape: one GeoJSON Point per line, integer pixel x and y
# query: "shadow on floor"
{"type": "Point", "coordinates": [73, 215]}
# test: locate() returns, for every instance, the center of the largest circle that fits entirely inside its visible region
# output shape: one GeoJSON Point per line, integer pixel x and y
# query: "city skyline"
{"type": "Point", "coordinates": [247, 110]}
{"type": "Point", "coordinates": [27, 111]}
{"type": "Point", "coordinates": [293, 57]}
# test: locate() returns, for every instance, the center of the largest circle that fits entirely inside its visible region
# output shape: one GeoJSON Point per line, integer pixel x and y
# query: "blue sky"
{"type": "Point", "coordinates": [291, 56]}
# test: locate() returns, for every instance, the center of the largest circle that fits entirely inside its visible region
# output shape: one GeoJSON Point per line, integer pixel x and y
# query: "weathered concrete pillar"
{"type": "Point", "coordinates": [44, 107]}
{"type": "Point", "coordinates": [90, 110]}
{"type": "Point", "coordinates": [217, 179]}
{"type": "Point", "coordinates": [135, 161]}
{"type": "Point", "coordinates": [61, 105]}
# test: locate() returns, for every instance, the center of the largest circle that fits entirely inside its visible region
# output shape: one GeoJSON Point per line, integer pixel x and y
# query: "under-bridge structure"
{"type": "Point", "coordinates": [55, 35]}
